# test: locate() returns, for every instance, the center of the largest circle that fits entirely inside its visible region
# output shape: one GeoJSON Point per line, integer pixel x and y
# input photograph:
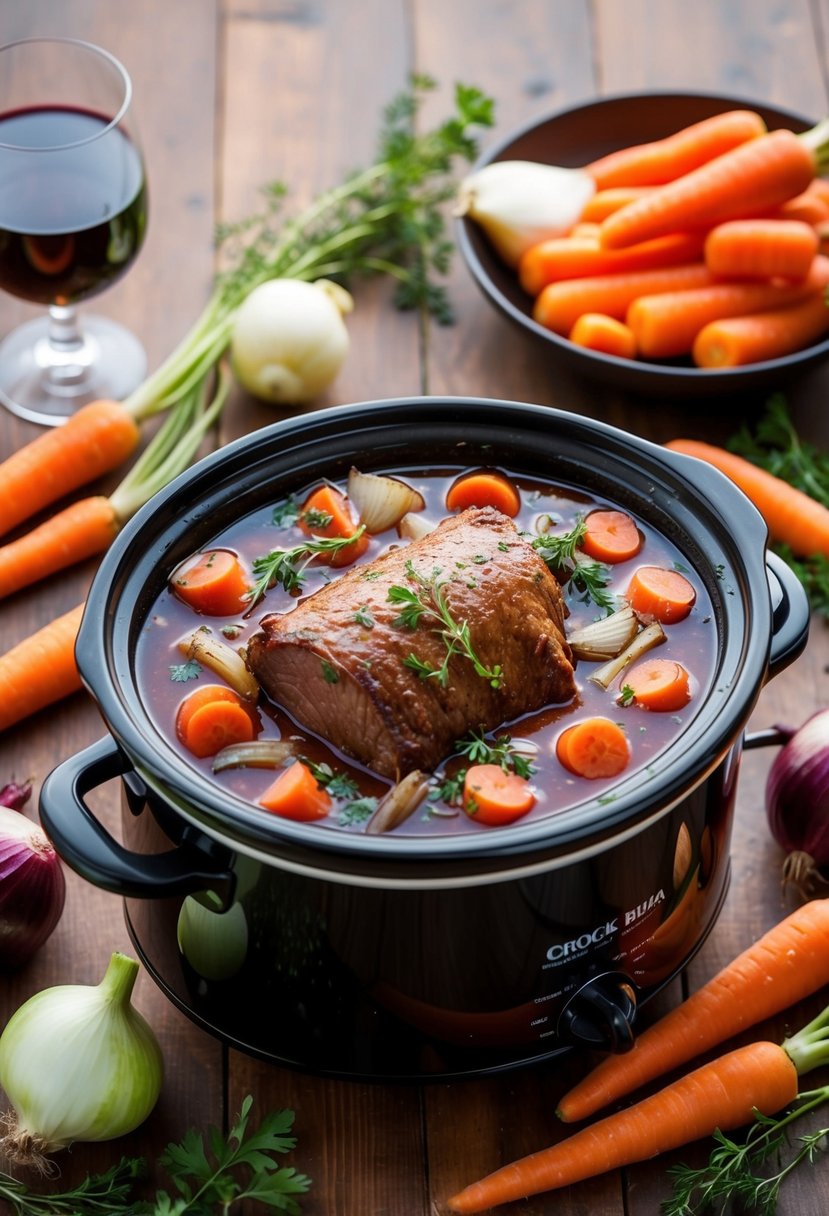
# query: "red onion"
{"type": "Point", "coordinates": [16, 796]}
{"type": "Point", "coordinates": [32, 888]}
{"type": "Point", "coordinates": [797, 803]}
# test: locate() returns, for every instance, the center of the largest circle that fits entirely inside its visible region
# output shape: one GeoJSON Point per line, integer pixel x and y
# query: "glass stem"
{"type": "Point", "coordinates": [68, 354]}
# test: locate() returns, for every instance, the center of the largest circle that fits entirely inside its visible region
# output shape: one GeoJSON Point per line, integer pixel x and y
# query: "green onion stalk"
{"type": "Point", "coordinates": [384, 220]}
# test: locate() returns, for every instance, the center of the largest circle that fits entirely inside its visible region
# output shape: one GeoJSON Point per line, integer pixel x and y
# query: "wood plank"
{"type": "Point", "coordinates": [175, 104]}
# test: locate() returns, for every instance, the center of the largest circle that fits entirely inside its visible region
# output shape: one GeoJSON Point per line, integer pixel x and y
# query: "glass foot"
{"type": "Point", "coordinates": [46, 384]}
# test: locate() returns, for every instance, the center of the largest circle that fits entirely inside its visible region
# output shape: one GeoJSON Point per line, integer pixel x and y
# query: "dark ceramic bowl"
{"type": "Point", "coordinates": [573, 138]}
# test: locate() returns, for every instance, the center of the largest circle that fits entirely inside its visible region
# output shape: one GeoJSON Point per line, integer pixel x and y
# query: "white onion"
{"type": "Point", "coordinates": [381, 502]}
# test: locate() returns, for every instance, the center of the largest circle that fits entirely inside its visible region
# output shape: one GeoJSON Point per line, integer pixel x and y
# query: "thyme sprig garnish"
{"type": "Point", "coordinates": [429, 601]}
{"type": "Point", "coordinates": [584, 576]}
{"type": "Point", "coordinates": [500, 751]}
{"type": "Point", "coordinates": [286, 568]}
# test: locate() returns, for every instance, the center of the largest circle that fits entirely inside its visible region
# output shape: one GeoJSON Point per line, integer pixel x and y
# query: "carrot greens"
{"type": "Point", "coordinates": [733, 1172]}
{"type": "Point", "coordinates": [776, 447]}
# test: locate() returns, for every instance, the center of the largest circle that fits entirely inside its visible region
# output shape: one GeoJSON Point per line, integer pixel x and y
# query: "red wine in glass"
{"type": "Point", "coordinates": [73, 211]}
{"type": "Point", "coordinates": [65, 236]}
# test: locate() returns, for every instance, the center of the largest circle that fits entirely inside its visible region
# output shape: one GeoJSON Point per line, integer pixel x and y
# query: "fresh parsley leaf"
{"type": "Point", "coordinates": [286, 567]}
{"type": "Point", "coordinates": [501, 751]}
{"type": "Point", "coordinates": [363, 617]}
{"type": "Point", "coordinates": [286, 513]}
{"type": "Point", "coordinates": [357, 811]}
{"type": "Point", "coordinates": [626, 695]}
{"type": "Point", "coordinates": [450, 790]}
{"type": "Point", "coordinates": [330, 673]}
{"type": "Point", "coordinates": [180, 673]}
{"type": "Point", "coordinates": [338, 785]}
{"type": "Point", "coordinates": [316, 519]}
{"type": "Point", "coordinates": [580, 574]}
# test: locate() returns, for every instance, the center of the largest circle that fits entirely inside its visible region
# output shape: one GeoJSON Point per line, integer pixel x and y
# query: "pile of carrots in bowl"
{"type": "Point", "coordinates": [701, 252]}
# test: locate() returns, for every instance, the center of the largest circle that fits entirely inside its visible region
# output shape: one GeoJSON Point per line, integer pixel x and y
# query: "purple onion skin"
{"type": "Point", "coordinates": [32, 889]}
{"type": "Point", "coordinates": [15, 796]}
{"type": "Point", "coordinates": [797, 791]}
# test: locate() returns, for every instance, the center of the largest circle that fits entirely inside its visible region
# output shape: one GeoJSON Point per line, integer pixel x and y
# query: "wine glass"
{"type": "Point", "coordinates": [73, 210]}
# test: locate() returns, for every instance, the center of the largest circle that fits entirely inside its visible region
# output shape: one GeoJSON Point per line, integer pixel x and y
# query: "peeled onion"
{"type": "Point", "coordinates": [797, 804]}
{"type": "Point", "coordinates": [381, 502]}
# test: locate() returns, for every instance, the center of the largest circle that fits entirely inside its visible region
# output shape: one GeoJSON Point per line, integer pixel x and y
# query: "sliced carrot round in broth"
{"type": "Point", "coordinates": [205, 695]}
{"type": "Point", "coordinates": [484, 489]}
{"type": "Point", "coordinates": [494, 797]}
{"type": "Point", "coordinates": [666, 595]}
{"type": "Point", "coordinates": [659, 684]}
{"type": "Point", "coordinates": [216, 725]}
{"type": "Point", "coordinates": [594, 748]}
{"type": "Point", "coordinates": [214, 583]}
{"type": "Point", "coordinates": [611, 536]}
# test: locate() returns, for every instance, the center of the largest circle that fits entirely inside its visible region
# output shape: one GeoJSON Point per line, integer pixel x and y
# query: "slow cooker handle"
{"type": "Point", "coordinates": [790, 614]}
{"type": "Point", "coordinates": [86, 845]}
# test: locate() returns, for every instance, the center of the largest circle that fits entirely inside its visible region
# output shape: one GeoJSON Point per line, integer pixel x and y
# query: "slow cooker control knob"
{"type": "Point", "coordinates": [600, 1014]}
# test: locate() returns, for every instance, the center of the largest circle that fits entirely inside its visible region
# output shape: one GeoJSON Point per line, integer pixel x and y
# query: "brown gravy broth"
{"type": "Point", "coordinates": [692, 642]}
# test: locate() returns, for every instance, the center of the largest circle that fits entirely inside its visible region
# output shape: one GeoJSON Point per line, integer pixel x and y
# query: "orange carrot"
{"type": "Point", "coordinates": [747, 180]}
{"type": "Point", "coordinates": [782, 967]}
{"type": "Point", "coordinates": [737, 341]}
{"type": "Point", "coordinates": [761, 248]}
{"type": "Point", "coordinates": [605, 202]}
{"type": "Point", "coordinates": [809, 207]}
{"type": "Point", "coordinates": [215, 583]}
{"type": "Point", "coordinates": [296, 794]}
{"type": "Point", "coordinates": [96, 439]}
{"type": "Point", "coordinates": [217, 724]}
{"type": "Point", "coordinates": [594, 747]}
{"type": "Point", "coordinates": [84, 529]}
{"type": "Point", "coordinates": [610, 536]}
{"type": "Point", "coordinates": [484, 489]}
{"type": "Point", "coordinates": [559, 305]}
{"type": "Point", "coordinates": [40, 670]}
{"type": "Point", "coordinates": [792, 517]}
{"type": "Point", "coordinates": [326, 513]}
{"type": "Point", "coordinates": [667, 324]}
{"type": "Point", "coordinates": [661, 685]}
{"type": "Point", "coordinates": [573, 257]}
{"type": "Point", "coordinates": [663, 160]}
{"type": "Point", "coordinates": [666, 595]}
{"type": "Point", "coordinates": [208, 694]}
{"type": "Point", "coordinates": [495, 797]}
{"type": "Point", "coordinates": [595, 331]}
{"type": "Point", "coordinates": [723, 1094]}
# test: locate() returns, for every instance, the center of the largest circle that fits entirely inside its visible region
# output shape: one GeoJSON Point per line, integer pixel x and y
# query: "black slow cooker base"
{"type": "Point", "coordinates": [374, 1046]}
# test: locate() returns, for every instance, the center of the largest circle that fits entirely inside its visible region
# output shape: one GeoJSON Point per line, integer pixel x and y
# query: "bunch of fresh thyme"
{"type": "Point", "coordinates": [581, 574]}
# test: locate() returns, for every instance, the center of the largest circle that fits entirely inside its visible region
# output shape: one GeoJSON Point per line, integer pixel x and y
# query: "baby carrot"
{"type": "Point", "coordinates": [326, 513]}
{"type": "Point", "coordinates": [748, 180]}
{"type": "Point", "coordinates": [484, 489]}
{"type": "Point", "coordinates": [666, 595]}
{"type": "Point", "coordinates": [593, 748]}
{"type": "Point", "coordinates": [610, 536]}
{"type": "Point", "coordinates": [91, 442]}
{"type": "Point", "coordinates": [663, 160]}
{"type": "Point", "coordinates": [761, 248]}
{"type": "Point", "coordinates": [666, 324]}
{"type": "Point", "coordinates": [809, 207]}
{"type": "Point", "coordinates": [85, 528]}
{"type": "Point", "coordinates": [782, 967]}
{"type": "Point", "coordinates": [559, 305]}
{"type": "Point", "coordinates": [40, 670]}
{"type": "Point", "coordinates": [792, 517]}
{"type": "Point", "coordinates": [736, 341]}
{"type": "Point", "coordinates": [215, 583]}
{"type": "Point", "coordinates": [495, 797]}
{"type": "Point", "coordinates": [572, 257]}
{"type": "Point", "coordinates": [296, 794]}
{"type": "Point", "coordinates": [661, 685]}
{"type": "Point", "coordinates": [595, 331]}
{"type": "Point", "coordinates": [723, 1094]}
{"type": "Point", "coordinates": [605, 202]}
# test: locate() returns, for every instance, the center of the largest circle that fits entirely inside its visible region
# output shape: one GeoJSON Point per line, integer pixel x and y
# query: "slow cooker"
{"type": "Point", "coordinates": [376, 957]}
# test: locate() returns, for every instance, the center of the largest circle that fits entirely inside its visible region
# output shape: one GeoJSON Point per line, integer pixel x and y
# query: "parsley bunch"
{"type": "Point", "coordinates": [209, 1179]}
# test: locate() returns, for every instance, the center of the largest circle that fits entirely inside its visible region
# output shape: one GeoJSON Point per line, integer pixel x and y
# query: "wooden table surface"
{"type": "Point", "coordinates": [231, 94]}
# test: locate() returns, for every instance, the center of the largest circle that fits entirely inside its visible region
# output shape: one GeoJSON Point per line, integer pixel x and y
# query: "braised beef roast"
{"type": "Point", "coordinates": [337, 662]}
